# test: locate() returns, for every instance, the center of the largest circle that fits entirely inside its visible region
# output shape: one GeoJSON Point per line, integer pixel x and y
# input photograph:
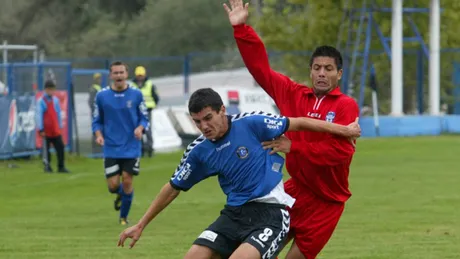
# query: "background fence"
{"type": "Point", "coordinates": [176, 77]}
{"type": "Point", "coordinates": [24, 84]}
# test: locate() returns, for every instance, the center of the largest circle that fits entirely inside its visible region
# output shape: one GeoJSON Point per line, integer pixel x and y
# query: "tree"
{"type": "Point", "coordinates": [302, 25]}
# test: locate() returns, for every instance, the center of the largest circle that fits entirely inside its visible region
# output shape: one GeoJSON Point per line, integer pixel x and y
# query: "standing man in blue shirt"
{"type": "Point", "coordinates": [254, 223]}
{"type": "Point", "coordinates": [119, 120]}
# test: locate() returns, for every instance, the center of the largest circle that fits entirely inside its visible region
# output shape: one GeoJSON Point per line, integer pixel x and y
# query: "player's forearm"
{"type": "Point", "coordinates": [307, 124]}
{"type": "Point", "coordinates": [164, 198]}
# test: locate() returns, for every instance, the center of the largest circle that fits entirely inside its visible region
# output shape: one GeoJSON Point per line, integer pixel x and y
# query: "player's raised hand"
{"type": "Point", "coordinates": [237, 12]}
{"type": "Point", "coordinates": [133, 232]}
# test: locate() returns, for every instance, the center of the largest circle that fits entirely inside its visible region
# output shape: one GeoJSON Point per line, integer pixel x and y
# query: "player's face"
{"type": "Point", "coordinates": [50, 91]}
{"type": "Point", "coordinates": [119, 74]}
{"type": "Point", "coordinates": [324, 75]}
{"type": "Point", "coordinates": [140, 78]}
{"type": "Point", "coordinates": [212, 124]}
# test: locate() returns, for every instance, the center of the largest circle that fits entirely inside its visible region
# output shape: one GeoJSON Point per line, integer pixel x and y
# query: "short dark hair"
{"type": "Point", "coordinates": [118, 63]}
{"type": "Point", "coordinates": [50, 84]}
{"type": "Point", "coordinates": [203, 98]}
{"type": "Point", "coordinates": [327, 51]}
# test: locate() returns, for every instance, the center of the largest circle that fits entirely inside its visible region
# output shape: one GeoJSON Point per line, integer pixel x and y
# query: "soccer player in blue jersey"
{"type": "Point", "coordinates": [254, 222]}
{"type": "Point", "coordinates": [119, 120]}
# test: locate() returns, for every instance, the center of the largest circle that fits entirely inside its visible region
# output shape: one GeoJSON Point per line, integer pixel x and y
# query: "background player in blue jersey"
{"type": "Point", "coordinates": [120, 118]}
{"type": "Point", "coordinates": [254, 222]}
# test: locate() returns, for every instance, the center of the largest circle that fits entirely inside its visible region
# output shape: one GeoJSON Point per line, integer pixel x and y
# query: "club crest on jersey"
{"type": "Point", "coordinates": [129, 104]}
{"type": "Point", "coordinates": [330, 116]}
{"type": "Point", "coordinates": [242, 152]}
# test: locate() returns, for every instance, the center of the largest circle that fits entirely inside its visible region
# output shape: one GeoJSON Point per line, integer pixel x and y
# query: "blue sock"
{"type": "Point", "coordinates": [120, 189]}
{"type": "Point", "coordinates": [126, 200]}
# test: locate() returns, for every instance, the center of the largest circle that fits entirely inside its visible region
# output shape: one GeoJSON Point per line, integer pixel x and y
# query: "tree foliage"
{"type": "Point", "coordinates": [120, 28]}
{"type": "Point", "coordinates": [303, 25]}
{"type": "Point", "coordinates": [87, 28]}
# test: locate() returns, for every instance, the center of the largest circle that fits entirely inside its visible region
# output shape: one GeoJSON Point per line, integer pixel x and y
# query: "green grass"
{"type": "Point", "coordinates": [405, 205]}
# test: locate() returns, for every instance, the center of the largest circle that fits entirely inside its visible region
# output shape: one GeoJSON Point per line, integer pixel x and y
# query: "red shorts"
{"type": "Point", "coordinates": [313, 220]}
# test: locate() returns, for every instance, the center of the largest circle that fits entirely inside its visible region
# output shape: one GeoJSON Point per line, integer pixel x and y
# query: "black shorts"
{"type": "Point", "coordinates": [114, 166]}
{"type": "Point", "coordinates": [263, 225]}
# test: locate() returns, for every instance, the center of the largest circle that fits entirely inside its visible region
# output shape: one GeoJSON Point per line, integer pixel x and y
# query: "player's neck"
{"type": "Point", "coordinates": [320, 94]}
{"type": "Point", "coordinates": [225, 129]}
{"type": "Point", "coordinates": [119, 89]}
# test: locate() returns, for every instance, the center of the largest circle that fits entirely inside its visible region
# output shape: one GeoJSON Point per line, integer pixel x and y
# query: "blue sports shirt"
{"type": "Point", "coordinates": [245, 170]}
{"type": "Point", "coordinates": [117, 114]}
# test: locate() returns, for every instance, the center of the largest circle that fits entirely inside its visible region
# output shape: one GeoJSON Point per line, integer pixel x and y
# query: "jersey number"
{"type": "Point", "coordinates": [266, 235]}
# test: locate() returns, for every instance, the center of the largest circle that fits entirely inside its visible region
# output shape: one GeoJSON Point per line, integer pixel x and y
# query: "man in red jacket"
{"type": "Point", "coordinates": [318, 163]}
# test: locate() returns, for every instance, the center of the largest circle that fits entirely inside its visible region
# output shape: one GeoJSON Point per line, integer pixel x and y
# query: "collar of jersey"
{"type": "Point", "coordinates": [335, 92]}
{"type": "Point", "coordinates": [229, 118]}
{"type": "Point", "coordinates": [110, 87]}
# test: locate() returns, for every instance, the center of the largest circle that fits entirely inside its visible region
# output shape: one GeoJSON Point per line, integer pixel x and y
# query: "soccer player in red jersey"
{"type": "Point", "coordinates": [318, 163]}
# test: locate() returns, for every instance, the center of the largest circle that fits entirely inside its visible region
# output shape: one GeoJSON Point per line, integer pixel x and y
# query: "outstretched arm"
{"type": "Point", "coordinates": [255, 57]}
{"type": "Point", "coordinates": [332, 151]}
{"type": "Point", "coordinates": [189, 172]}
{"type": "Point", "coordinates": [307, 124]}
{"type": "Point", "coordinates": [164, 198]}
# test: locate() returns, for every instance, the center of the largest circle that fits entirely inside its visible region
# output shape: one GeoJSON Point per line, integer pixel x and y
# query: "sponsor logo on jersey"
{"type": "Point", "coordinates": [185, 172]}
{"type": "Point", "coordinates": [314, 115]}
{"type": "Point", "coordinates": [273, 124]}
{"type": "Point", "coordinates": [223, 146]}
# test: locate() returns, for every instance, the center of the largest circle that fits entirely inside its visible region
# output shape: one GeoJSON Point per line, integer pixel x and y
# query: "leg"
{"type": "Point", "coordinates": [126, 197]}
{"type": "Point", "coordinates": [46, 154]}
{"type": "Point", "coordinates": [246, 251]}
{"type": "Point", "coordinates": [314, 221]}
{"type": "Point", "coordinates": [59, 146]}
{"type": "Point", "coordinates": [294, 252]}
{"type": "Point", "coordinates": [267, 233]}
{"type": "Point", "coordinates": [201, 252]}
{"type": "Point", "coordinates": [112, 174]}
{"type": "Point", "coordinates": [130, 168]}
{"type": "Point", "coordinates": [220, 237]}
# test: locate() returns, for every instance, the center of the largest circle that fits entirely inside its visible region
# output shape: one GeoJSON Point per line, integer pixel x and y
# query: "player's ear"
{"type": "Point", "coordinates": [339, 74]}
{"type": "Point", "coordinates": [223, 109]}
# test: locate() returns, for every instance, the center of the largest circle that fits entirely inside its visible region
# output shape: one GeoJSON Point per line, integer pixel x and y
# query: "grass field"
{"type": "Point", "coordinates": [405, 205]}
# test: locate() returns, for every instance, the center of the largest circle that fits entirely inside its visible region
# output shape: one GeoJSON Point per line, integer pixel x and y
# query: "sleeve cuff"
{"type": "Point", "coordinates": [286, 128]}
{"type": "Point", "coordinates": [239, 30]}
{"type": "Point", "coordinates": [176, 187]}
{"type": "Point", "coordinates": [96, 129]}
{"type": "Point", "coordinates": [145, 125]}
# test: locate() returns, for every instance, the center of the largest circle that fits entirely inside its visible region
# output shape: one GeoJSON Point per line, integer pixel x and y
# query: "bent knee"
{"type": "Point", "coordinates": [201, 252]}
{"type": "Point", "coordinates": [113, 187]}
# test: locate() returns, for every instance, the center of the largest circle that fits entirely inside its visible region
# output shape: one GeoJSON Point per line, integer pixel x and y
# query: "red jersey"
{"type": "Point", "coordinates": [318, 161]}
